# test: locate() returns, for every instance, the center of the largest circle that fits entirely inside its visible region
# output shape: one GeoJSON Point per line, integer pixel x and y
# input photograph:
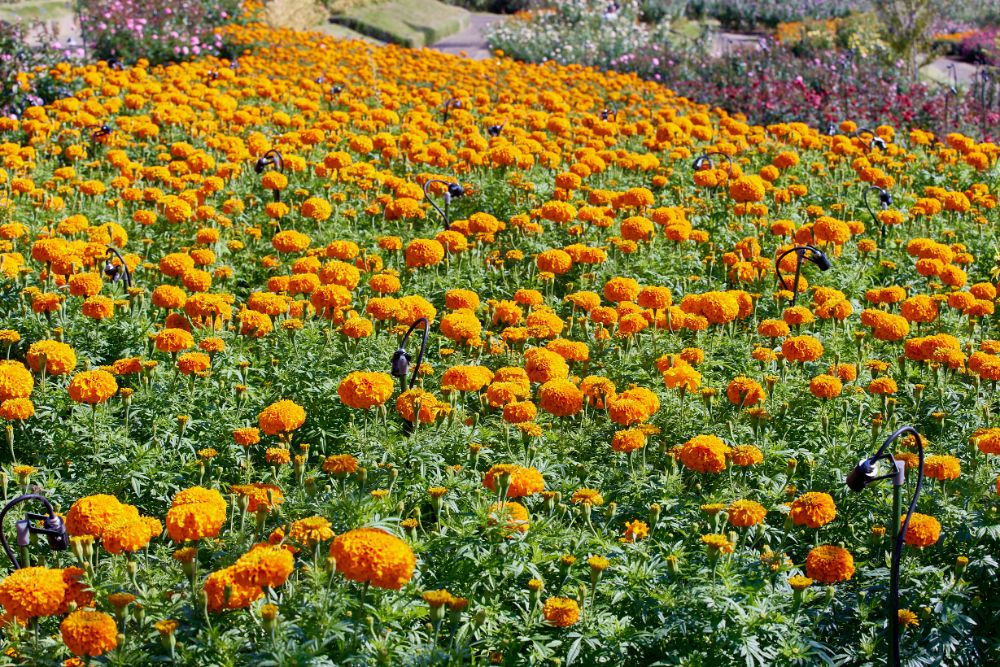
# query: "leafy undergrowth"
{"type": "Point", "coordinates": [607, 343]}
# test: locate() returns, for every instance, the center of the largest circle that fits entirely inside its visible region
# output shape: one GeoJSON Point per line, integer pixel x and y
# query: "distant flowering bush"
{"type": "Point", "coordinates": [749, 14]}
{"type": "Point", "coordinates": [156, 30]}
{"type": "Point", "coordinates": [24, 80]}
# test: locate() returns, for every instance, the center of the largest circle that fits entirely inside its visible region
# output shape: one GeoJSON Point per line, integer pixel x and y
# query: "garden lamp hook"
{"type": "Point", "coordinates": [885, 201]}
{"type": "Point", "coordinates": [274, 159]}
{"type": "Point", "coordinates": [817, 257]}
{"type": "Point", "coordinates": [863, 475]}
{"type": "Point", "coordinates": [495, 130]}
{"type": "Point", "coordinates": [451, 103]}
{"type": "Point", "coordinates": [52, 527]}
{"type": "Point", "coordinates": [706, 158]}
{"type": "Point", "coordinates": [116, 273]}
{"type": "Point", "coordinates": [454, 190]}
{"type": "Point", "coordinates": [99, 132]}
{"type": "Point", "coordinates": [876, 141]}
{"type": "Point", "coordinates": [401, 358]}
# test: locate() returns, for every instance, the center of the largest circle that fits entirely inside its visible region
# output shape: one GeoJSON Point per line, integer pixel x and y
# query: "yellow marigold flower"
{"type": "Point", "coordinates": [635, 530]}
{"type": "Point", "coordinates": [311, 530]}
{"type": "Point", "coordinates": [717, 543]}
{"type": "Point", "coordinates": [907, 618]}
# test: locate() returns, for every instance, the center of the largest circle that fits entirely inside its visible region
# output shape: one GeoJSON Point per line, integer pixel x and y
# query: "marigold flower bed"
{"type": "Point", "coordinates": [623, 444]}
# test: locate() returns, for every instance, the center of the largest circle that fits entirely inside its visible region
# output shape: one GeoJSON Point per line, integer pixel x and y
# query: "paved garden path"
{"type": "Point", "coordinates": [471, 42]}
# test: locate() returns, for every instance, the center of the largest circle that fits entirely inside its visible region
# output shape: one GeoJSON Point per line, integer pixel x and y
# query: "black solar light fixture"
{"type": "Point", "coordinates": [864, 474]}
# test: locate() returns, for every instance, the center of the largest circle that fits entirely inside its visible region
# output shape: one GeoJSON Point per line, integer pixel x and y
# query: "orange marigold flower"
{"type": "Point", "coordinates": [745, 513]}
{"type": "Point", "coordinates": [829, 564]}
{"type": "Point", "coordinates": [223, 592]}
{"type": "Point", "coordinates": [196, 513]}
{"type": "Point", "coordinates": [264, 565]}
{"type": "Point", "coordinates": [923, 530]}
{"type": "Point", "coordinates": [628, 440]}
{"type": "Point", "coordinates": [554, 261]}
{"type": "Point", "coordinates": [825, 386]}
{"type": "Point", "coordinates": [17, 409]}
{"type": "Point", "coordinates": [363, 390]}
{"type": "Point", "coordinates": [424, 252]}
{"type": "Point", "coordinates": [465, 378]}
{"type": "Point", "coordinates": [560, 397]}
{"type": "Point", "coordinates": [91, 515]}
{"type": "Point", "coordinates": [245, 437]}
{"type": "Point", "coordinates": [882, 386]}
{"type": "Point", "coordinates": [174, 341]}
{"type": "Point", "coordinates": [371, 555]}
{"type": "Point", "coordinates": [129, 534]}
{"type": "Point", "coordinates": [89, 633]}
{"type": "Point", "coordinates": [704, 453]}
{"type": "Point", "coordinates": [635, 530]}
{"type": "Point", "coordinates": [32, 591]}
{"type": "Point", "coordinates": [15, 381]}
{"type": "Point", "coordinates": [523, 481]}
{"type": "Point", "coordinates": [801, 349]}
{"type": "Point", "coordinates": [515, 517]}
{"type": "Point", "coordinates": [813, 509]}
{"type": "Point", "coordinates": [745, 455]}
{"type": "Point", "coordinates": [59, 357]}
{"type": "Point", "coordinates": [311, 531]}
{"type": "Point", "coordinates": [281, 418]}
{"type": "Point", "coordinates": [340, 464]}
{"type": "Point", "coordinates": [747, 189]}
{"type": "Point", "coordinates": [561, 612]}
{"type": "Point", "coordinates": [942, 467]}
{"type": "Point", "coordinates": [621, 289]}
{"type": "Point", "coordinates": [745, 392]}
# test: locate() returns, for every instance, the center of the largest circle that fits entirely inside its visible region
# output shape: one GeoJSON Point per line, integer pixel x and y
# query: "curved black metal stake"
{"type": "Point", "coordinates": [270, 158]}
{"type": "Point", "coordinates": [706, 158]}
{"type": "Point", "coordinates": [451, 103]}
{"type": "Point", "coordinates": [116, 273]}
{"type": "Point", "coordinates": [951, 92]}
{"type": "Point", "coordinates": [401, 358]}
{"type": "Point", "coordinates": [54, 528]}
{"type": "Point", "coordinates": [876, 141]}
{"type": "Point", "coordinates": [984, 76]}
{"type": "Point", "coordinates": [885, 200]}
{"type": "Point", "coordinates": [863, 475]}
{"type": "Point", "coordinates": [818, 258]}
{"type": "Point", "coordinates": [454, 190]}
